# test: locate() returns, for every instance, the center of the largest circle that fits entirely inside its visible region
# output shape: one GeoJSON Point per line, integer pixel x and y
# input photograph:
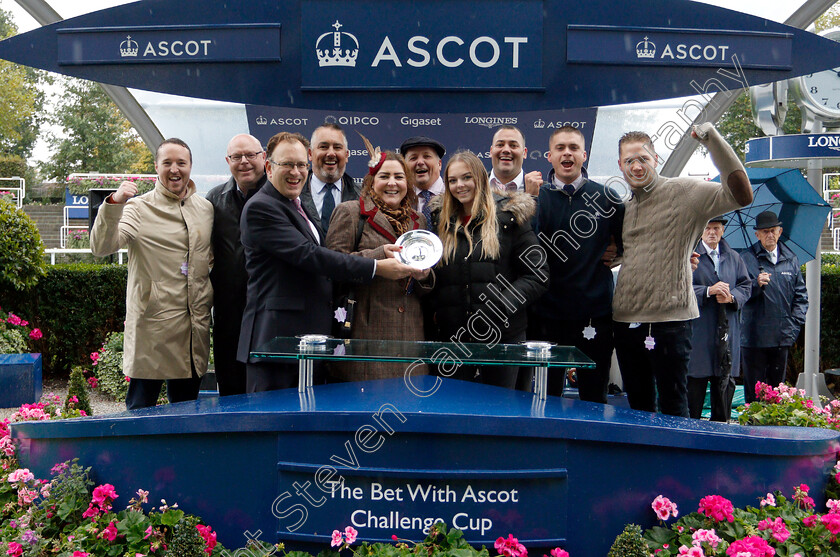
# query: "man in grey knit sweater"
{"type": "Point", "coordinates": [654, 300]}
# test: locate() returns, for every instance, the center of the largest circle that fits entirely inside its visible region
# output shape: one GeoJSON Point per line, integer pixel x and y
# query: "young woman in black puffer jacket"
{"type": "Point", "coordinates": [492, 267]}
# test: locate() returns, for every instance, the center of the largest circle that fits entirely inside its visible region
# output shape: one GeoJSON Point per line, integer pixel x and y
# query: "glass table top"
{"type": "Point", "coordinates": [285, 348]}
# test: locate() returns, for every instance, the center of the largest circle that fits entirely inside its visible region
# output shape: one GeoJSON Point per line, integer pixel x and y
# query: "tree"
{"type": "Point", "coordinates": [21, 100]}
{"type": "Point", "coordinates": [737, 125]}
{"type": "Point", "coordinates": [95, 136]}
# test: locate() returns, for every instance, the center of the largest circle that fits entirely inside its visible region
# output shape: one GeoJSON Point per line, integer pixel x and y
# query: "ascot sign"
{"type": "Point", "coordinates": [344, 58]}
{"type": "Point", "coordinates": [445, 56]}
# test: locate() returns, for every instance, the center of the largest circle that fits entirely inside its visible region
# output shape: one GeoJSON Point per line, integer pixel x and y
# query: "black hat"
{"type": "Point", "coordinates": [767, 219]}
{"type": "Point", "coordinates": [720, 220]}
{"type": "Point", "coordinates": [422, 141]}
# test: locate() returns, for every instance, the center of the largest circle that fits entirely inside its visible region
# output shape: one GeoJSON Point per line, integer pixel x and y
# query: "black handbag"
{"type": "Point", "coordinates": [346, 296]}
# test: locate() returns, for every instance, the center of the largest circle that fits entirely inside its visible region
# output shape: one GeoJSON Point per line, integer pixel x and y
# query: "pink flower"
{"type": "Point", "coordinates": [350, 534]}
{"type": "Point", "coordinates": [707, 536]}
{"type": "Point", "coordinates": [142, 496]}
{"type": "Point", "coordinates": [93, 382]}
{"type": "Point", "coordinates": [103, 495]}
{"type": "Point", "coordinates": [779, 530]}
{"type": "Point", "coordinates": [831, 521]}
{"type": "Point", "coordinates": [21, 475]}
{"type": "Point", "coordinates": [800, 496]}
{"type": "Point", "coordinates": [15, 549]}
{"type": "Point", "coordinates": [149, 532]}
{"type": "Point", "coordinates": [94, 356]}
{"type": "Point", "coordinates": [833, 505]}
{"type": "Point", "coordinates": [13, 319]}
{"type": "Point", "coordinates": [91, 512]}
{"type": "Point", "coordinates": [693, 551]}
{"type": "Point", "coordinates": [769, 501]}
{"type": "Point", "coordinates": [557, 552]}
{"type": "Point", "coordinates": [663, 507]}
{"type": "Point", "coordinates": [80, 554]}
{"type": "Point", "coordinates": [337, 539]}
{"type": "Point", "coordinates": [109, 532]}
{"type": "Point", "coordinates": [810, 520]}
{"type": "Point", "coordinates": [128, 379]}
{"type": "Point", "coordinates": [716, 507]}
{"type": "Point", "coordinates": [752, 546]}
{"type": "Point", "coordinates": [36, 334]}
{"type": "Point", "coordinates": [209, 537]}
{"type": "Point", "coordinates": [510, 547]}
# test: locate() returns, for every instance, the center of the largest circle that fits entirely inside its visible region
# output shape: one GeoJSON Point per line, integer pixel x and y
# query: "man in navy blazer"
{"type": "Point", "coordinates": [289, 271]}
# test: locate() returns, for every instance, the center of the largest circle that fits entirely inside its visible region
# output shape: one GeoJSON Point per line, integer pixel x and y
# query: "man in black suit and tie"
{"type": "Point", "coordinates": [289, 271]}
{"type": "Point", "coordinates": [327, 184]}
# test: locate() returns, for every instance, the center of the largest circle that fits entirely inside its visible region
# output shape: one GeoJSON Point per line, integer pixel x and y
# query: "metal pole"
{"type": "Point", "coordinates": [812, 283]}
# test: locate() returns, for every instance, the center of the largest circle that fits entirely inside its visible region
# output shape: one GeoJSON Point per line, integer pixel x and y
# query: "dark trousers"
{"type": "Point", "coordinates": [592, 383]}
{"type": "Point", "coordinates": [499, 376]}
{"type": "Point", "coordinates": [230, 374]}
{"type": "Point", "coordinates": [664, 369]}
{"type": "Point", "coordinates": [768, 365]}
{"type": "Point", "coordinates": [720, 396]}
{"type": "Point", "coordinates": [144, 393]}
{"type": "Point", "coordinates": [270, 377]}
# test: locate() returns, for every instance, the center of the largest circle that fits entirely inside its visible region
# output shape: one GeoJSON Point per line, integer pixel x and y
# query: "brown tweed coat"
{"type": "Point", "coordinates": [384, 311]}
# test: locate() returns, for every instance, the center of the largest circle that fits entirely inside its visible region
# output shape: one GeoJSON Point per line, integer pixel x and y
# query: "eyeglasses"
{"type": "Point", "coordinates": [288, 165]}
{"type": "Point", "coordinates": [250, 156]}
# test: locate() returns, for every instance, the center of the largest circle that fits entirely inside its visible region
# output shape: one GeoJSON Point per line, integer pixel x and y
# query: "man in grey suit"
{"type": "Point", "coordinates": [327, 184]}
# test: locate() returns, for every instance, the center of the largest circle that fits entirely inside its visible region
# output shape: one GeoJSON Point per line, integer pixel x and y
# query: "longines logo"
{"type": "Point", "coordinates": [490, 121]}
{"type": "Point", "coordinates": [829, 141]}
{"type": "Point", "coordinates": [129, 48]}
{"type": "Point", "coordinates": [342, 52]}
{"type": "Point", "coordinates": [646, 50]}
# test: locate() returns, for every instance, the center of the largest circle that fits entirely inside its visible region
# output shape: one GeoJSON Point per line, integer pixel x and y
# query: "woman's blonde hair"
{"type": "Point", "coordinates": [483, 212]}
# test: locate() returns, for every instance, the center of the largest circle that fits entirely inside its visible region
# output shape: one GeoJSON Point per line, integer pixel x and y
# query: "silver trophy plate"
{"type": "Point", "coordinates": [421, 249]}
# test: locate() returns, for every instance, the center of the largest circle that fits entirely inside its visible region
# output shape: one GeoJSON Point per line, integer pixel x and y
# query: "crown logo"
{"type": "Point", "coordinates": [129, 47]}
{"type": "Point", "coordinates": [539, 124]}
{"type": "Point", "coordinates": [645, 49]}
{"type": "Point", "coordinates": [261, 120]}
{"type": "Point", "coordinates": [342, 52]}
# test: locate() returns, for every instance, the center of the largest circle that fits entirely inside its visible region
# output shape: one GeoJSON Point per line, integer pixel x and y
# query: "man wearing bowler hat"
{"type": "Point", "coordinates": [775, 312]}
{"type": "Point", "coordinates": [721, 286]}
{"type": "Point", "coordinates": [423, 156]}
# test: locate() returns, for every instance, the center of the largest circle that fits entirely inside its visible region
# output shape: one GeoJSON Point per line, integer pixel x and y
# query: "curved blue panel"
{"type": "Point", "coordinates": [434, 57]}
{"type": "Point", "coordinates": [373, 455]}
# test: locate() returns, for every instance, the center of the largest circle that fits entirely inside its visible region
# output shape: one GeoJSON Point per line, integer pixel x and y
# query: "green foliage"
{"type": "Point", "coordinates": [12, 165]}
{"type": "Point", "coordinates": [186, 541]}
{"type": "Point", "coordinates": [11, 340]}
{"type": "Point", "coordinates": [78, 388]}
{"type": "Point", "coordinates": [95, 136]}
{"type": "Point", "coordinates": [21, 101]}
{"type": "Point", "coordinates": [77, 239]}
{"type": "Point", "coordinates": [80, 186]}
{"type": "Point", "coordinates": [737, 125]}
{"type": "Point", "coordinates": [75, 306]}
{"type": "Point", "coordinates": [629, 543]}
{"type": "Point", "coordinates": [109, 367]}
{"type": "Point", "coordinates": [21, 264]}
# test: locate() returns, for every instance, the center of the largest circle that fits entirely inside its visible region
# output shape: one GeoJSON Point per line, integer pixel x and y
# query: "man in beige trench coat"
{"type": "Point", "coordinates": [168, 297]}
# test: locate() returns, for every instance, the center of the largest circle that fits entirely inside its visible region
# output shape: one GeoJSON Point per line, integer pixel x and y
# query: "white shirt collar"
{"type": "Point", "coordinates": [318, 186]}
{"type": "Point", "coordinates": [709, 249]}
{"type": "Point", "coordinates": [577, 183]}
{"type": "Point", "coordinates": [502, 186]}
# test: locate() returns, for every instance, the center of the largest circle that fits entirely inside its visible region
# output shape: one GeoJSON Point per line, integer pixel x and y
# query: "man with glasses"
{"type": "Point", "coordinates": [290, 273]}
{"type": "Point", "coordinates": [246, 159]}
{"type": "Point", "coordinates": [327, 184]}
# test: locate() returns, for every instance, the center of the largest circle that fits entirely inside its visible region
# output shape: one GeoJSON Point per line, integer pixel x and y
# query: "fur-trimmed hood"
{"type": "Point", "coordinates": [521, 205]}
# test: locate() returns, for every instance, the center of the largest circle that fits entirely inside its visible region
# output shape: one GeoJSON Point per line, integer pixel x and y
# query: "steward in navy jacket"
{"type": "Point", "coordinates": [775, 313]}
{"type": "Point", "coordinates": [575, 231]}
